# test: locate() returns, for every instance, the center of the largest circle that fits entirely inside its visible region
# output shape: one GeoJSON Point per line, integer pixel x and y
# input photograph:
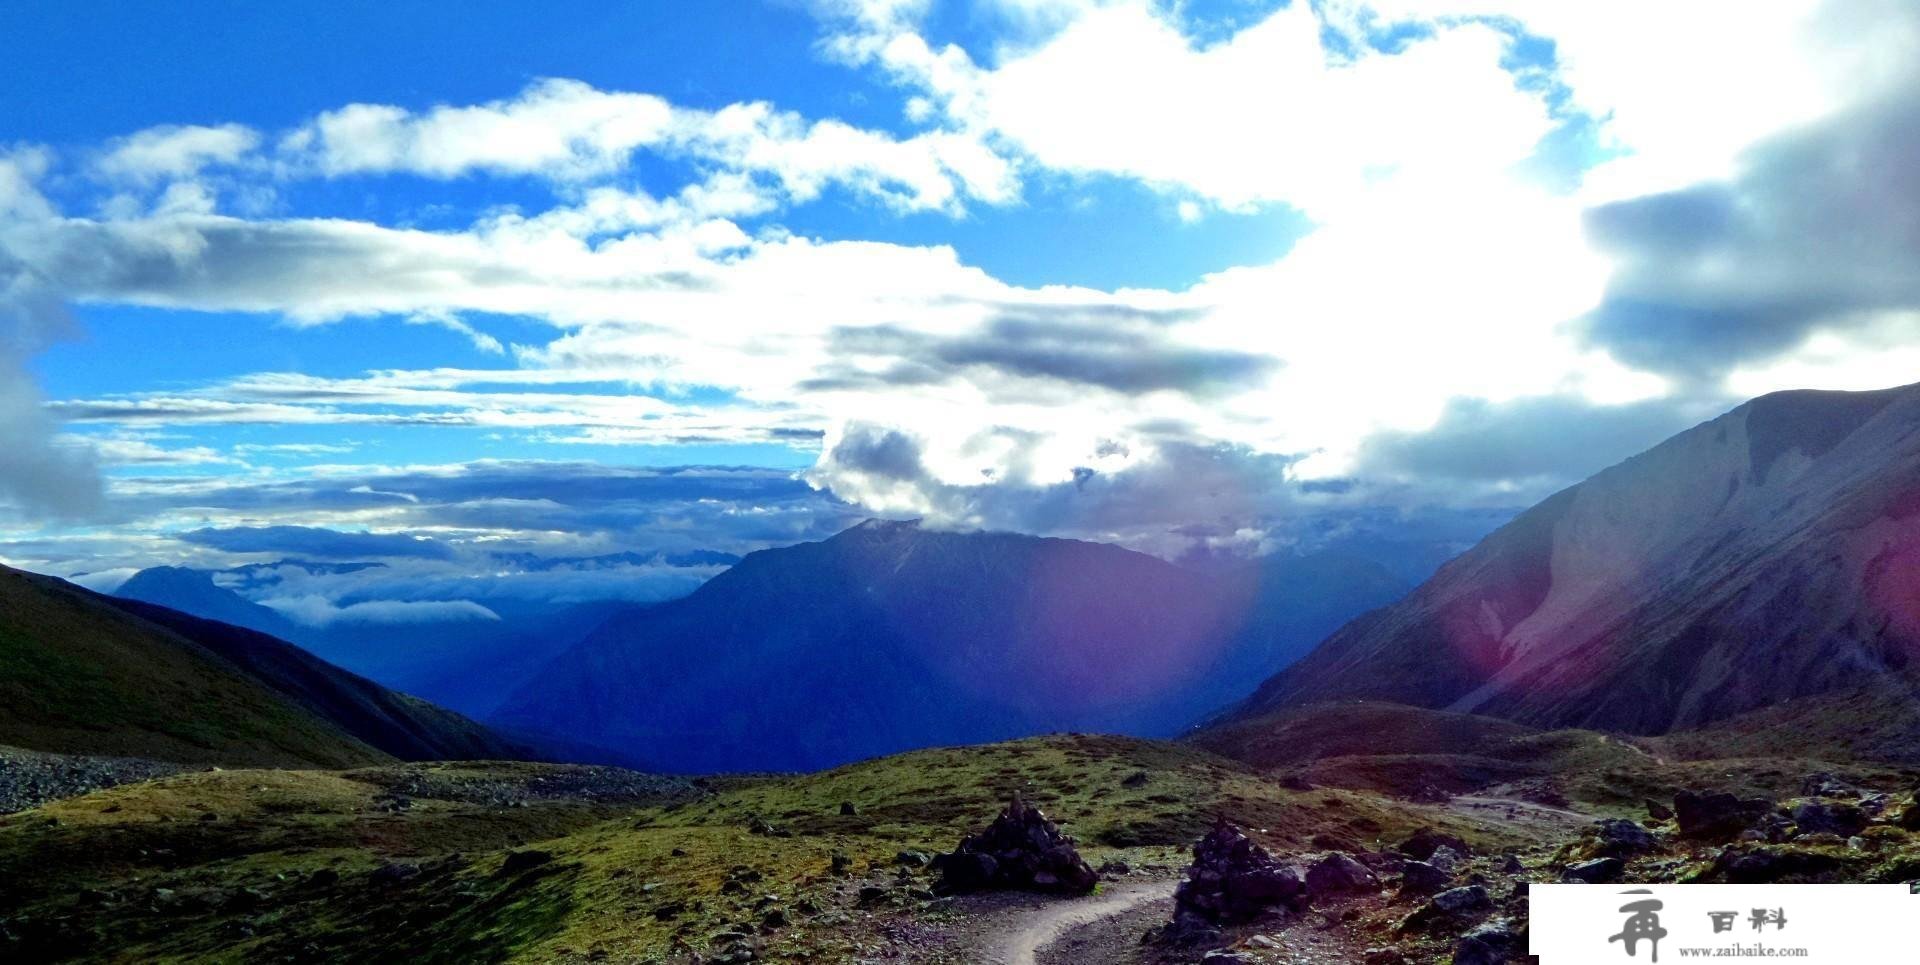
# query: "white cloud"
{"type": "Point", "coordinates": [318, 611]}
{"type": "Point", "coordinates": [174, 152]}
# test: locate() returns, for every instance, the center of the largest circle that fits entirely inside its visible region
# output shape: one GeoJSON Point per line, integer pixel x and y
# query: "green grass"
{"type": "Point", "coordinates": [77, 677]}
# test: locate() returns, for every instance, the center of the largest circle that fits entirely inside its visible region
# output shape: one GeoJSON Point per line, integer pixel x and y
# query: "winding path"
{"type": "Point", "coordinates": [1020, 939]}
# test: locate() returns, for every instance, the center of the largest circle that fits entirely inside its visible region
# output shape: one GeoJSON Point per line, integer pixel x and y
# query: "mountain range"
{"type": "Point", "coordinates": [892, 635]}
{"type": "Point", "coordinates": [1770, 554]}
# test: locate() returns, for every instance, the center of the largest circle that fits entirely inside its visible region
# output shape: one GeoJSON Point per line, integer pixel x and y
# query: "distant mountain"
{"type": "Point", "coordinates": [195, 592]}
{"type": "Point", "coordinates": [88, 674]}
{"type": "Point", "coordinates": [465, 664]}
{"type": "Point", "coordinates": [890, 636]}
{"type": "Point", "coordinates": [1770, 554]}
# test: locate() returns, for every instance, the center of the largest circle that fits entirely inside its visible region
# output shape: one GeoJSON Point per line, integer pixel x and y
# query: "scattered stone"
{"type": "Point", "coordinates": [1115, 868]}
{"type": "Point", "coordinates": [1021, 849]}
{"type": "Point", "coordinates": [1446, 859]}
{"type": "Point", "coordinates": [1426, 840]}
{"type": "Point", "coordinates": [1137, 779]}
{"type": "Point", "coordinates": [1658, 811]}
{"type": "Point", "coordinates": [871, 893]}
{"type": "Point", "coordinates": [1223, 957]}
{"type": "Point", "coordinates": [761, 826]}
{"type": "Point", "coordinates": [1825, 784]}
{"type": "Point", "coordinates": [1232, 881]}
{"type": "Point", "coordinates": [1296, 782]}
{"type": "Point", "coordinates": [913, 859]}
{"type": "Point", "coordinates": [1510, 865]}
{"type": "Point", "coordinates": [1721, 815]}
{"type": "Point", "coordinates": [1340, 874]}
{"type": "Point", "coordinates": [840, 864]}
{"type": "Point", "coordinates": [1384, 956]}
{"type": "Point", "coordinates": [847, 809]}
{"type": "Point", "coordinates": [1818, 817]}
{"type": "Point", "coordinates": [1597, 871]}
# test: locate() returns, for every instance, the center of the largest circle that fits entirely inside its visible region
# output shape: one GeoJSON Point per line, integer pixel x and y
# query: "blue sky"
{"type": "Point", "coordinates": [1192, 276]}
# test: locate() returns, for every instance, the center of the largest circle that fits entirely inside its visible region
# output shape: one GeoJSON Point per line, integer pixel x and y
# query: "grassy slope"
{"type": "Point", "coordinates": [77, 677]}
{"type": "Point", "coordinates": [138, 870]}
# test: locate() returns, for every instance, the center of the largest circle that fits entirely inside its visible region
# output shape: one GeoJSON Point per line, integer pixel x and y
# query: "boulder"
{"type": "Point", "coordinates": [1446, 859]}
{"type": "Point", "coordinates": [1658, 811]}
{"type": "Point", "coordinates": [1717, 814]}
{"type": "Point", "coordinates": [1597, 871]}
{"type": "Point", "coordinates": [1616, 838]}
{"type": "Point", "coordinates": [1020, 850]}
{"type": "Point", "coordinates": [1338, 874]}
{"type": "Point", "coordinates": [1825, 784]}
{"type": "Point", "coordinates": [1426, 840]}
{"type": "Point", "coordinates": [1824, 817]}
{"type": "Point", "coordinates": [1421, 878]}
{"type": "Point", "coordinates": [1450, 906]}
{"type": "Point", "coordinates": [1766, 865]}
{"type": "Point", "coordinates": [1492, 943]}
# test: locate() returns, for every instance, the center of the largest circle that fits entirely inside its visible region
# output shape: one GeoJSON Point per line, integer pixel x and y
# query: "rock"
{"type": "Point", "coordinates": [1421, 878]}
{"type": "Point", "coordinates": [1766, 865]}
{"type": "Point", "coordinates": [1825, 784]}
{"type": "Point", "coordinates": [1223, 957]}
{"type": "Point", "coordinates": [1021, 849]}
{"type": "Point", "coordinates": [1450, 906]}
{"type": "Point", "coordinates": [1875, 804]}
{"type": "Point", "coordinates": [1492, 943]}
{"type": "Point", "coordinates": [519, 861]}
{"type": "Point", "coordinates": [1339, 874]}
{"type": "Point", "coordinates": [393, 873]}
{"type": "Point", "coordinates": [1232, 881]}
{"type": "Point", "coordinates": [1909, 818]}
{"type": "Point", "coordinates": [1717, 815]}
{"type": "Point", "coordinates": [1384, 956]}
{"type": "Point", "coordinates": [1510, 865]}
{"type": "Point", "coordinates": [1597, 871]}
{"type": "Point", "coordinates": [1296, 782]}
{"type": "Point", "coordinates": [1658, 811]}
{"type": "Point", "coordinates": [1426, 841]}
{"type": "Point", "coordinates": [761, 826]}
{"type": "Point", "coordinates": [1819, 817]}
{"type": "Point", "coordinates": [840, 864]}
{"type": "Point", "coordinates": [871, 893]}
{"type": "Point", "coordinates": [1116, 868]}
{"type": "Point", "coordinates": [913, 859]}
{"type": "Point", "coordinates": [1616, 838]}
{"type": "Point", "coordinates": [847, 809]}
{"type": "Point", "coordinates": [1137, 779]}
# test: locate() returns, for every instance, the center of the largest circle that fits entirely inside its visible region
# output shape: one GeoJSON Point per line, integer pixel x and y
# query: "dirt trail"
{"type": "Point", "coordinates": [1020, 939]}
{"type": "Point", "coordinates": [1523, 812]}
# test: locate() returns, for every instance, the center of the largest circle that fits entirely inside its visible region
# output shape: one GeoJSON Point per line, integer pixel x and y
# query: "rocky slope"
{"type": "Point", "coordinates": [889, 636]}
{"type": "Point", "coordinates": [1770, 554]}
{"type": "Point", "coordinates": [82, 673]}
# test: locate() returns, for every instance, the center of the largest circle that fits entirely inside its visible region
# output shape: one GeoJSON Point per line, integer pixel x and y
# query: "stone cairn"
{"type": "Point", "coordinates": [1232, 881]}
{"type": "Point", "coordinates": [1020, 850]}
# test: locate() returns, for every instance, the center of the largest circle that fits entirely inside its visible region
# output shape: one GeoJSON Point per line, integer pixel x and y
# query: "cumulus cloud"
{"type": "Point", "coordinates": [1818, 232]}
{"type": "Point", "coordinates": [174, 152]}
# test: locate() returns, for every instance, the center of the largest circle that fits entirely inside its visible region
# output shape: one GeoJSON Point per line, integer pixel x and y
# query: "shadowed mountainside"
{"type": "Point", "coordinates": [889, 636]}
{"type": "Point", "coordinates": [1770, 554]}
{"type": "Point", "coordinates": [87, 674]}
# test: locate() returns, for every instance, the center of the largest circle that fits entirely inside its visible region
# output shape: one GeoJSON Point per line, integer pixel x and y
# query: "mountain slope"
{"type": "Point", "coordinates": [888, 637]}
{"type": "Point", "coordinates": [1769, 554]}
{"type": "Point", "coordinates": [87, 674]}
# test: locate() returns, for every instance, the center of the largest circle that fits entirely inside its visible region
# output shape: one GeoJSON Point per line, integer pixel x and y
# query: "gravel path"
{"type": "Point", "coordinates": [29, 779]}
